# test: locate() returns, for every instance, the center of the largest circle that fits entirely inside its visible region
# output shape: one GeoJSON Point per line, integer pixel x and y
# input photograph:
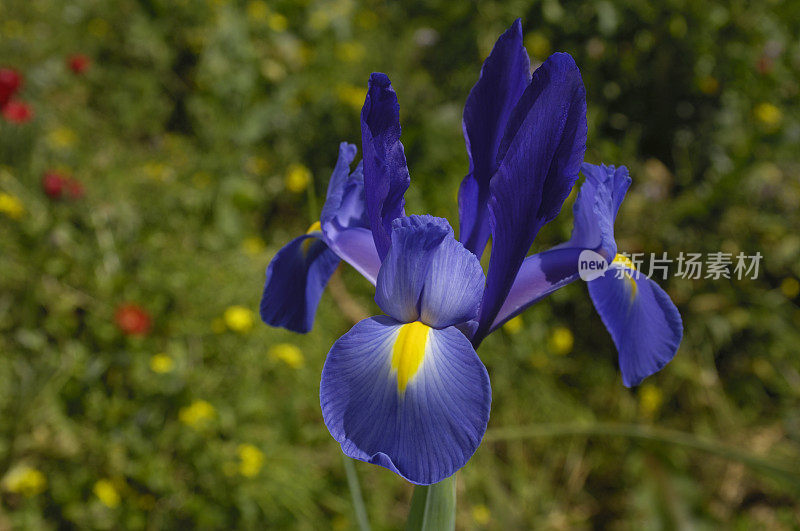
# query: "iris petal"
{"type": "Point", "coordinates": [504, 76]}
{"type": "Point", "coordinates": [296, 277]}
{"type": "Point", "coordinates": [386, 176]}
{"type": "Point", "coordinates": [428, 275]}
{"type": "Point", "coordinates": [644, 323]}
{"type": "Point", "coordinates": [344, 221]}
{"type": "Point", "coordinates": [541, 154]}
{"type": "Point", "coordinates": [424, 432]}
{"type": "Point", "coordinates": [595, 210]}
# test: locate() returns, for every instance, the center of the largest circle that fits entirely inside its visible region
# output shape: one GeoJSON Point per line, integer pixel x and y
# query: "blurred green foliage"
{"type": "Point", "coordinates": [193, 132]}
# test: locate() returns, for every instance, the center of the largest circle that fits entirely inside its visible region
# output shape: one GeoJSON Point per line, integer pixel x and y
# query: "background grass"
{"type": "Point", "coordinates": [192, 132]}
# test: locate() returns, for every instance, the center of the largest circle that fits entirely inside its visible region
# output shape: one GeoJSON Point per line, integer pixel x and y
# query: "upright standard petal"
{"type": "Point", "coordinates": [386, 176]}
{"type": "Point", "coordinates": [644, 323]}
{"type": "Point", "coordinates": [408, 397]}
{"type": "Point", "coordinates": [596, 208]}
{"type": "Point", "coordinates": [344, 221]}
{"type": "Point", "coordinates": [504, 76]}
{"type": "Point", "coordinates": [428, 275]}
{"type": "Point", "coordinates": [541, 154]}
{"type": "Point", "coordinates": [296, 277]}
{"type": "Point", "coordinates": [595, 211]}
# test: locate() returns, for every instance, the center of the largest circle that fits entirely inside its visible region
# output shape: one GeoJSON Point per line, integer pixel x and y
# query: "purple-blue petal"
{"type": "Point", "coordinates": [427, 432]}
{"type": "Point", "coordinates": [642, 320]}
{"type": "Point", "coordinates": [296, 278]}
{"type": "Point", "coordinates": [386, 176]}
{"type": "Point", "coordinates": [344, 221]}
{"type": "Point", "coordinates": [596, 208]}
{"type": "Point", "coordinates": [540, 275]}
{"type": "Point", "coordinates": [428, 275]}
{"type": "Point", "coordinates": [594, 211]}
{"type": "Point", "coordinates": [504, 76]}
{"type": "Point", "coordinates": [541, 155]}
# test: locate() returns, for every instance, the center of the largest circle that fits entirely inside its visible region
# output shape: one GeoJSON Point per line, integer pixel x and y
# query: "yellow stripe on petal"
{"type": "Point", "coordinates": [408, 352]}
{"type": "Point", "coordinates": [315, 227]}
{"type": "Point", "coordinates": [626, 262]}
{"type": "Point", "coordinates": [315, 230]}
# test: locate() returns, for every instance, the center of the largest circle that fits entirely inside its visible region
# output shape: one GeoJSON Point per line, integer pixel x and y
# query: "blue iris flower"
{"type": "Point", "coordinates": [406, 390]}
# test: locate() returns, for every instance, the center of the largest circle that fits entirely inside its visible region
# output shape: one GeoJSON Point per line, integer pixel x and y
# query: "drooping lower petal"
{"type": "Point", "coordinates": [296, 278]}
{"type": "Point", "coordinates": [642, 320]}
{"type": "Point", "coordinates": [541, 155]}
{"type": "Point", "coordinates": [428, 275]}
{"type": "Point", "coordinates": [408, 397]}
{"type": "Point", "coordinates": [386, 176]}
{"type": "Point", "coordinates": [504, 76]}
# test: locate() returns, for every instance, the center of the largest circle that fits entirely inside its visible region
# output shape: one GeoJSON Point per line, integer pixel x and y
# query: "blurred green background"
{"type": "Point", "coordinates": [138, 388]}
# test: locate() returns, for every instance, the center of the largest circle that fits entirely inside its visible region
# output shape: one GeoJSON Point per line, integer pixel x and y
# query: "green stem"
{"type": "Point", "coordinates": [355, 493]}
{"type": "Point", "coordinates": [649, 433]}
{"type": "Point", "coordinates": [433, 507]}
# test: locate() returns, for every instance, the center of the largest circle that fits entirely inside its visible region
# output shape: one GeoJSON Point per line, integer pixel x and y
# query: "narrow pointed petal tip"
{"type": "Point", "coordinates": [428, 275]}
{"type": "Point", "coordinates": [422, 418]}
{"type": "Point", "coordinates": [296, 278]}
{"type": "Point", "coordinates": [504, 76]}
{"type": "Point", "coordinates": [386, 176]}
{"type": "Point", "coordinates": [643, 322]}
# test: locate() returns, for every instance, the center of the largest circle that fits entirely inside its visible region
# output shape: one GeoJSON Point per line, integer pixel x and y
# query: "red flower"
{"type": "Point", "coordinates": [132, 319]}
{"type": "Point", "coordinates": [10, 82]}
{"type": "Point", "coordinates": [79, 63]}
{"type": "Point", "coordinates": [53, 184]}
{"type": "Point", "coordinates": [17, 112]}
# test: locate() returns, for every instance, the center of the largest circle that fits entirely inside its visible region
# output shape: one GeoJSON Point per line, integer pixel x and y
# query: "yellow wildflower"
{"type": "Point", "coordinates": [257, 10]}
{"type": "Point", "coordinates": [11, 206]}
{"type": "Point", "coordinates": [351, 95]}
{"type": "Point", "coordinates": [287, 353]}
{"type": "Point", "coordinates": [650, 399]}
{"type": "Point", "coordinates": [197, 414]}
{"type": "Point", "coordinates": [161, 363]}
{"type": "Point", "coordinates": [253, 245]}
{"type": "Point", "coordinates": [251, 459]}
{"type": "Point", "coordinates": [297, 178]}
{"type": "Point", "coordinates": [98, 27]}
{"type": "Point", "coordinates": [277, 22]}
{"type": "Point", "coordinates": [538, 44]}
{"type": "Point", "coordinates": [790, 287]}
{"type": "Point", "coordinates": [481, 514]}
{"type": "Point", "coordinates": [62, 137]}
{"type": "Point", "coordinates": [769, 115]}
{"type": "Point", "coordinates": [350, 52]}
{"type": "Point", "coordinates": [107, 493]}
{"type": "Point", "coordinates": [25, 480]}
{"type": "Point", "coordinates": [513, 325]}
{"type": "Point", "coordinates": [239, 319]}
{"type": "Point", "coordinates": [561, 340]}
